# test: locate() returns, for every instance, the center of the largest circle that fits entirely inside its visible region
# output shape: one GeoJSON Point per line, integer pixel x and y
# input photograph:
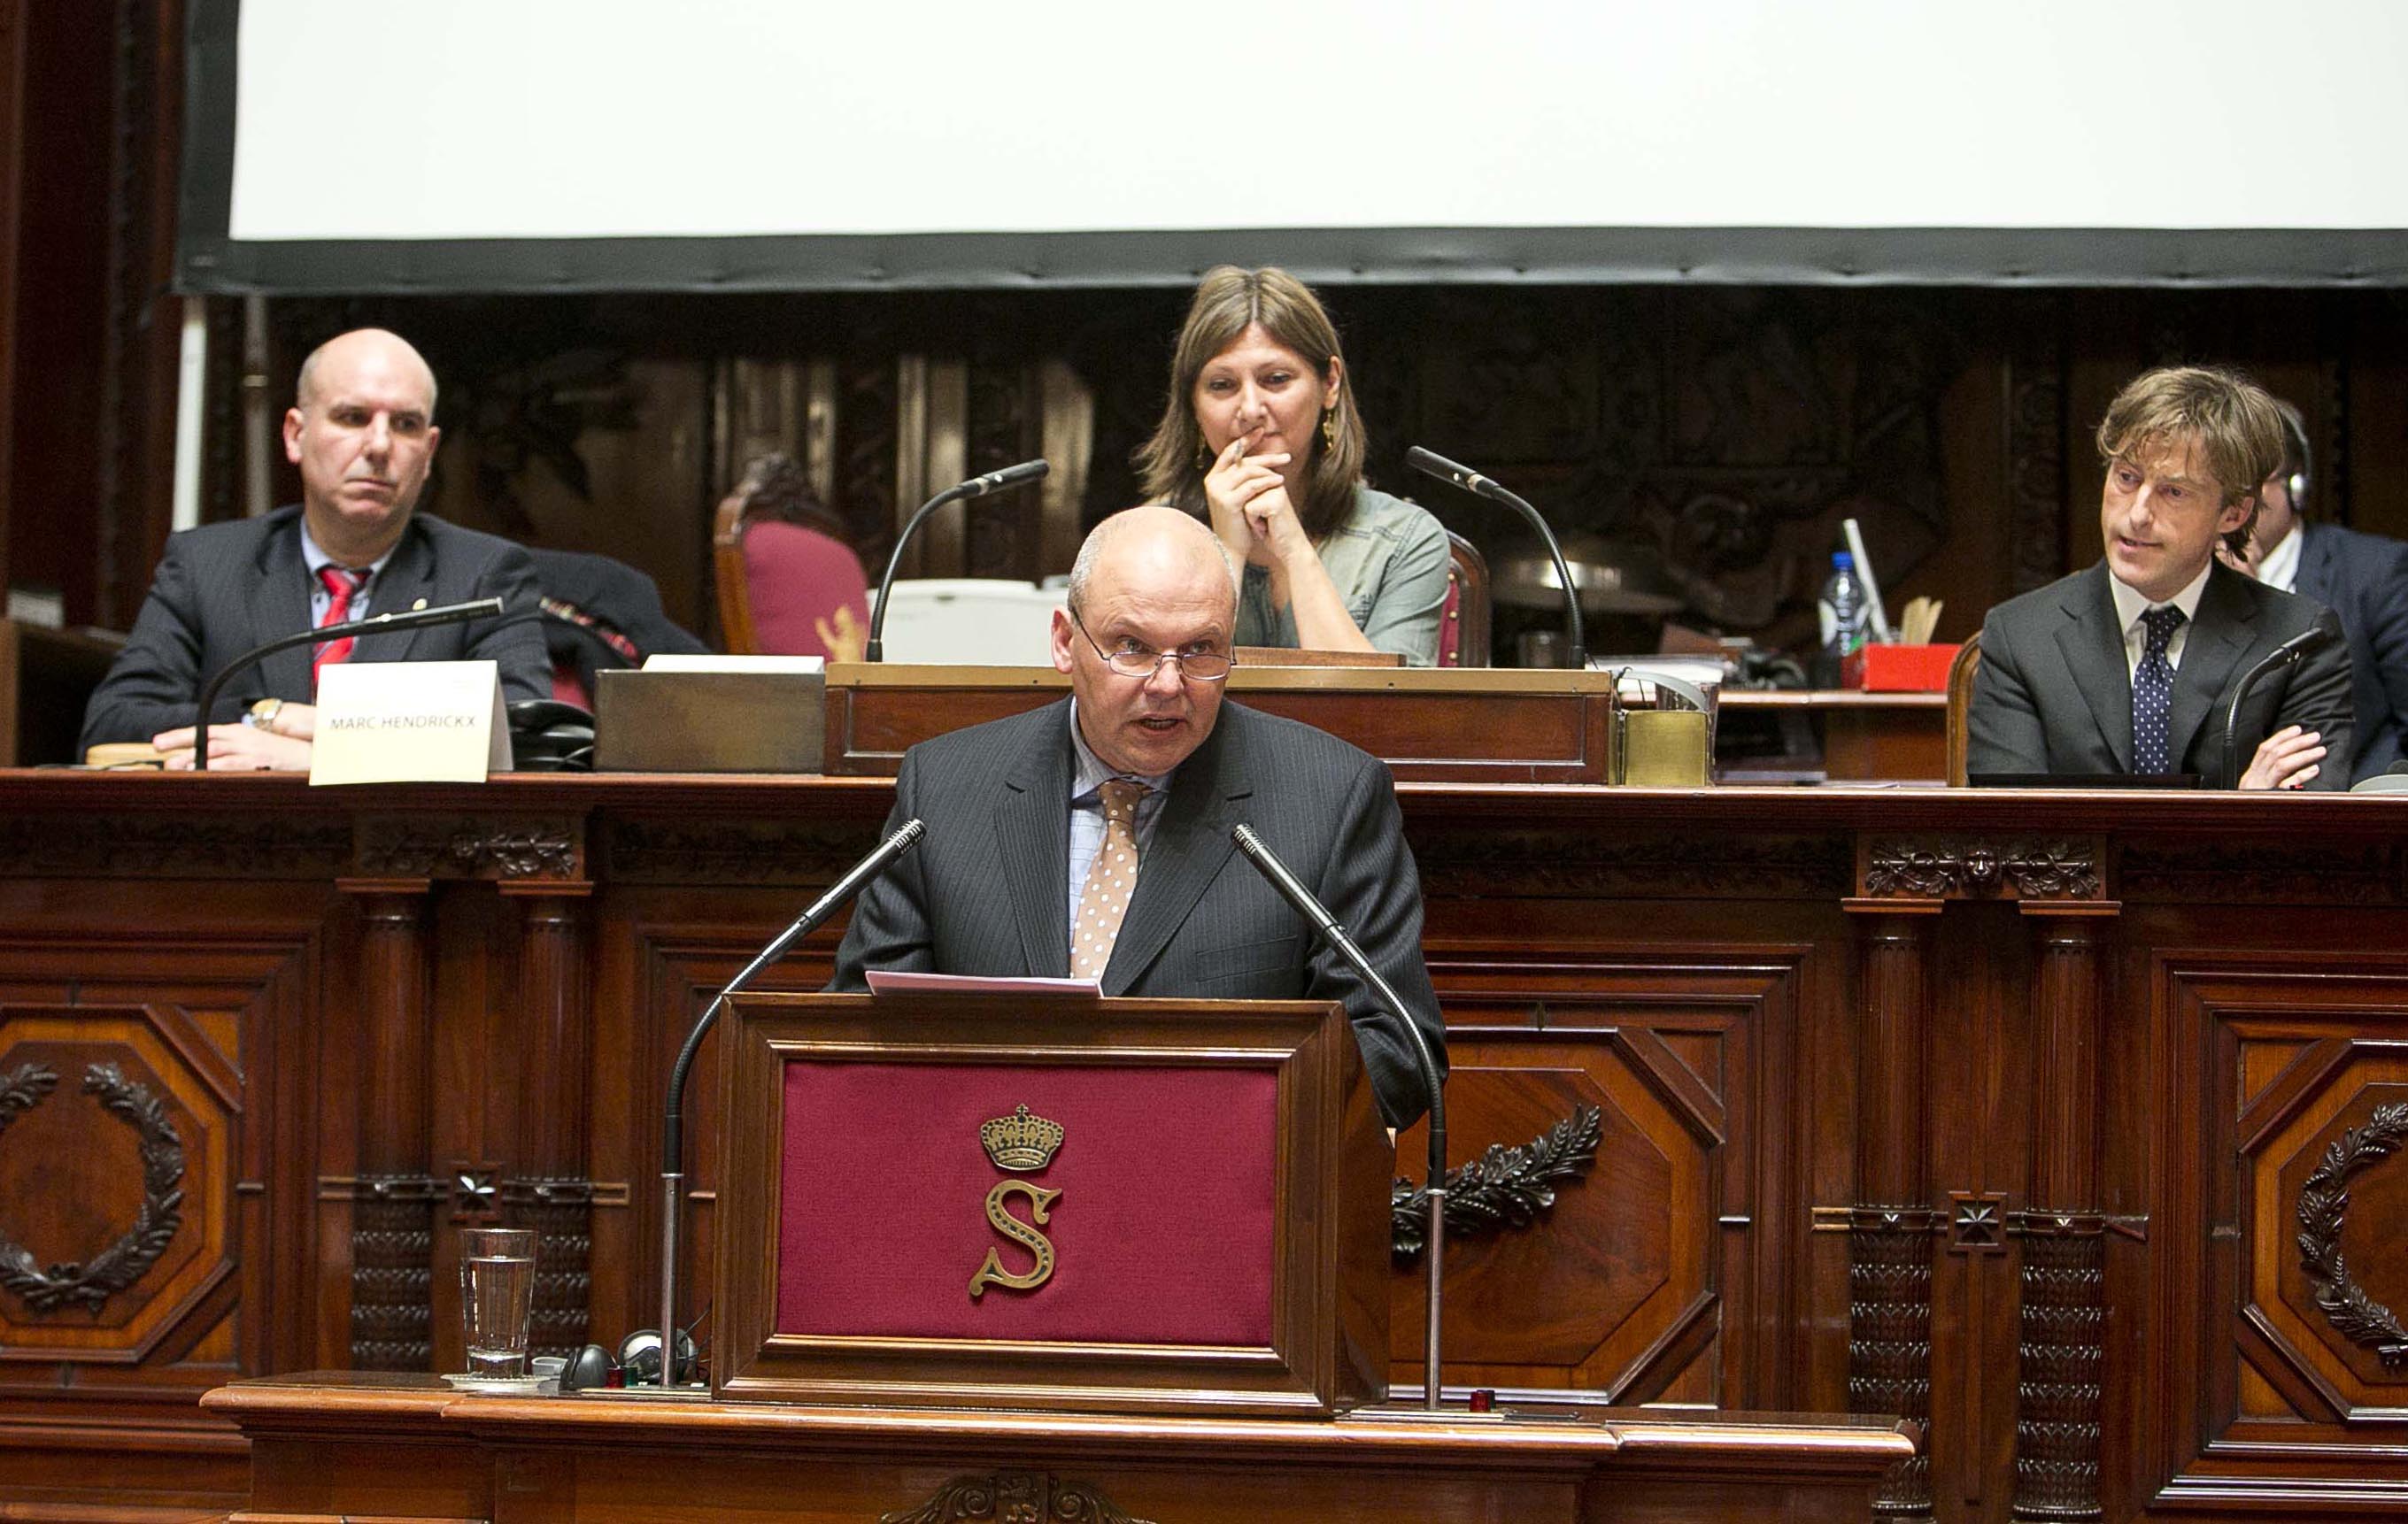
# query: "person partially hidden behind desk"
{"type": "Point", "coordinates": [1090, 837]}
{"type": "Point", "coordinates": [2129, 666]}
{"type": "Point", "coordinates": [361, 430]}
{"type": "Point", "coordinates": [1261, 432]}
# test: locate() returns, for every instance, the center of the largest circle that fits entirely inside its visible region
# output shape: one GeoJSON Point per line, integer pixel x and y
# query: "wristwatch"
{"type": "Point", "coordinates": [263, 715]}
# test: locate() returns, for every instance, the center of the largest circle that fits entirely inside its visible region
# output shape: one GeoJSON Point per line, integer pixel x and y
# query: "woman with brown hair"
{"type": "Point", "coordinates": [1261, 433]}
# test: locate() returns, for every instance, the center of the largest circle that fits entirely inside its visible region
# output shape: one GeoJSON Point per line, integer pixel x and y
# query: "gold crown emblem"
{"type": "Point", "coordinates": [1020, 1141]}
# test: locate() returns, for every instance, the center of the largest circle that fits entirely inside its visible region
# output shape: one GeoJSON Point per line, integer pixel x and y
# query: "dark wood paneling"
{"type": "Point", "coordinates": [1985, 1094]}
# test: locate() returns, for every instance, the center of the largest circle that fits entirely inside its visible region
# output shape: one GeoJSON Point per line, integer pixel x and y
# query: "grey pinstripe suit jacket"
{"type": "Point", "coordinates": [987, 893]}
{"type": "Point", "coordinates": [223, 589]}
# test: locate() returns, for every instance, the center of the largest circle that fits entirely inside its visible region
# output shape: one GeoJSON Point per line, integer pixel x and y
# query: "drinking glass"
{"type": "Point", "coordinates": [496, 1295]}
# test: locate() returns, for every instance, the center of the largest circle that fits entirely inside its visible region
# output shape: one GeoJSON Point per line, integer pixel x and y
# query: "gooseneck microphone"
{"type": "Point", "coordinates": [1433, 1084]}
{"type": "Point", "coordinates": [1479, 486]}
{"type": "Point", "coordinates": [673, 1112]}
{"type": "Point", "coordinates": [994, 481]}
{"type": "Point", "coordinates": [2315, 637]}
{"type": "Point", "coordinates": [414, 619]}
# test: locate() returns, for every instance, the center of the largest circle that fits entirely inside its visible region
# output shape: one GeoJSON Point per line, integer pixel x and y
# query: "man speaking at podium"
{"type": "Point", "coordinates": [1090, 837]}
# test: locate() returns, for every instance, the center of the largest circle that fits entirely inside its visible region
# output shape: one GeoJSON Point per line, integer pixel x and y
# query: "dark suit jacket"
{"type": "Point", "coordinates": [988, 890]}
{"type": "Point", "coordinates": [2053, 694]}
{"type": "Point", "coordinates": [223, 589]}
{"type": "Point", "coordinates": [2364, 579]}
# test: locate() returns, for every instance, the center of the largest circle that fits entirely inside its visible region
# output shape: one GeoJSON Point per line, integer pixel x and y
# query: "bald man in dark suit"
{"type": "Point", "coordinates": [1001, 884]}
{"type": "Point", "coordinates": [361, 430]}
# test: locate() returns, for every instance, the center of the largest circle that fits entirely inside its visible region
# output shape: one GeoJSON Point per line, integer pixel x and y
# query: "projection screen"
{"type": "Point", "coordinates": [557, 145]}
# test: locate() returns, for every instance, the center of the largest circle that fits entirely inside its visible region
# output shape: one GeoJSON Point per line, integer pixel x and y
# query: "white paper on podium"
{"type": "Point", "coordinates": [410, 722]}
{"type": "Point", "coordinates": [884, 981]}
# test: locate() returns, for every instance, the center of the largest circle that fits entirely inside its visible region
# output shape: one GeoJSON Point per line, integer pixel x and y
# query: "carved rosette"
{"type": "Point", "coordinates": [1965, 868]}
{"type": "Point", "coordinates": [2324, 1206]}
{"type": "Point", "coordinates": [1504, 1187]}
{"type": "Point", "coordinates": [414, 848]}
{"type": "Point", "coordinates": [1889, 1337]}
{"type": "Point", "coordinates": [561, 1213]}
{"type": "Point", "coordinates": [2062, 1364]}
{"type": "Point", "coordinates": [132, 1254]}
{"type": "Point", "coordinates": [1013, 1496]}
{"type": "Point", "coordinates": [393, 1253]}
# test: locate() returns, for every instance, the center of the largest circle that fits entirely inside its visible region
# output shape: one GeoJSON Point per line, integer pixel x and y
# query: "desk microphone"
{"type": "Point", "coordinates": [2315, 637]}
{"type": "Point", "coordinates": [1433, 1084]}
{"type": "Point", "coordinates": [415, 619]}
{"type": "Point", "coordinates": [1479, 486]}
{"type": "Point", "coordinates": [994, 481]}
{"type": "Point", "coordinates": [673, 1113]}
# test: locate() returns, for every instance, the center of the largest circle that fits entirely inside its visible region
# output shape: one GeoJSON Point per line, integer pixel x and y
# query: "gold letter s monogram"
{"type": "Point", "coordinates": [1019, 1233]}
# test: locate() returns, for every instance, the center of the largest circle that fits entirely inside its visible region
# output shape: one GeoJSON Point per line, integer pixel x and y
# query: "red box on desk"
{"type": "Point", "coordinates": [1907, 669]}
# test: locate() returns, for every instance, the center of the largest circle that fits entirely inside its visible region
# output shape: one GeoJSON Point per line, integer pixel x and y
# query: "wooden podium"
{"type": "Point", "coordinates": [1207, 1342]}
{"type": "Point", "coordinates": [1050, 1201]}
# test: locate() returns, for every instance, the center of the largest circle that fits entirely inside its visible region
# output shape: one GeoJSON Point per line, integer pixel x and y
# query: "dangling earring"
{"type": "Point", "coordinates": [1203, 456]}
{"type": "Point", "coordinates": [1329, 428]}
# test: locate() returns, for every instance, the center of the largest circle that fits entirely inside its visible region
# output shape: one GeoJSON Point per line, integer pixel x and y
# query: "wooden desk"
{"type": "Point", "coordinates": [1867, 737]}
{"type": "Point", "coordinates": [1996, 1109]}
{"type": "Point", "coordinates": [329, 1446]}
{"type": "Point", "coordinates": [1454, 724]}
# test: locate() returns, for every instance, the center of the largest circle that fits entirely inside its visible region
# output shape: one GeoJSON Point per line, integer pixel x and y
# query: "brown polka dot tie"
{"type": "Point", "coordinates": [1112, 878]}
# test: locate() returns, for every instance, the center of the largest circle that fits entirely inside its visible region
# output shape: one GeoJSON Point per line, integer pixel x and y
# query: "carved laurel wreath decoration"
{"type": "Point", "coordinates": [126, 1260]}
{"type": "Point", "coordinates": [2324, 1202]}
{"type": "Point", "coordinates": [1502, 1188]}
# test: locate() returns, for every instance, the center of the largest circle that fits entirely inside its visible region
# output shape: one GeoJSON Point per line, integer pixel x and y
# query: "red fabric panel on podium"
{"type": "Point", "coordinates": [1161, 1233]}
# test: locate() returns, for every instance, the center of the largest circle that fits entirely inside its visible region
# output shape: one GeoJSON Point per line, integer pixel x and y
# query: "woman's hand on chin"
{"type": "Point", "coordinates": [1234, 487]}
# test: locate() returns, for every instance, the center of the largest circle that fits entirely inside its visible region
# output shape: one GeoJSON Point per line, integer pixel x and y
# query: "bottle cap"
{"type": "Point", "coordinates": [1842, 562]}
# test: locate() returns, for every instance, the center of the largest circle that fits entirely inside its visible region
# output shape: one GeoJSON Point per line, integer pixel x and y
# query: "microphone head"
{"type": "Point", "coordinates": [1011, 476]}
{"type": "Point", "coordinates": [1431, 464]}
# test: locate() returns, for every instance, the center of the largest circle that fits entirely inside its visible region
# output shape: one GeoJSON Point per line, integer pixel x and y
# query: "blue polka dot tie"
{"type": "Point", "coordinates": [2153, 694]}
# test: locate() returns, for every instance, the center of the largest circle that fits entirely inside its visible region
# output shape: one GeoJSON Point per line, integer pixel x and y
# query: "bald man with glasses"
{"type": "Point", "coordinates": [1092, 836]}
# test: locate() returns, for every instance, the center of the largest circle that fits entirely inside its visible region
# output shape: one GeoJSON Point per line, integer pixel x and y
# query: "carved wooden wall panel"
{"type": "Point", "coordinates": [2287, 1201]}
{"type": "Point", "coordinates": [1730, 429]}
{"type": "Point", "coordinates": [1657, 1302]}
{"type": "Point", "coordinates": [155, 1107]}
{"type": "Point", "coordinates": [660, 957]}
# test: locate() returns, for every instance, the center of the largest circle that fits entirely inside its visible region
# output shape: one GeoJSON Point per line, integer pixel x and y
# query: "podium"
{"type": "Point", "coordinates": [1007, 1256]}
{"type": "Point", "coordinates": [1050, 1202]}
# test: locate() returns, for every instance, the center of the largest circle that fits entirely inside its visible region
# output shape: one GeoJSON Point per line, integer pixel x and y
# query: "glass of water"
{"type": "Point", "coordinates": [496, 1295]}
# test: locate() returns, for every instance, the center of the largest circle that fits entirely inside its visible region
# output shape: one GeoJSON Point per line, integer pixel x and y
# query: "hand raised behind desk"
{"type": "Point", "coordinates": [1249, 502]}
{"type": "Point", "coordinates": [235, 748]}
{"type": "Point", "coordinates": [2284, 760]}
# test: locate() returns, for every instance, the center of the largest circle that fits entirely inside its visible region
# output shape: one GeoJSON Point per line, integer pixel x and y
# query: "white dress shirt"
{"type": "Point", "coordinates": [2130, 606]}
{"type": "Point", "coordinates": [2281, 567]}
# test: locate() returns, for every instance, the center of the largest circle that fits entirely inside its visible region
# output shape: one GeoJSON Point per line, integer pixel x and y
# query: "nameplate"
{"type": "Point", "coordinates": [410, 722]}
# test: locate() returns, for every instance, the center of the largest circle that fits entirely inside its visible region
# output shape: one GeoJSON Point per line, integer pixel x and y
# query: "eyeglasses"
{"type": "Point", "coordinates": [1135, 661]}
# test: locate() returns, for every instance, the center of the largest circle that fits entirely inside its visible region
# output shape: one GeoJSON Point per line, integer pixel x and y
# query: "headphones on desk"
{"type": "Point", "coordinates": [550, 737]}
{"type": "Point", "coordinates": [637, 1363]}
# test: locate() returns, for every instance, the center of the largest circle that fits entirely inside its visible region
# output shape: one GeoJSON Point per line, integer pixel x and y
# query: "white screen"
{"type": "Point", "coordinates": [551, 119]}
{"type": "Point", "coordinates": [571, 120]}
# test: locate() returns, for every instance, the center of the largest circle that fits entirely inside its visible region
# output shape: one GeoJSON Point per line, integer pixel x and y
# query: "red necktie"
{"type": "Point", "coordinates": [342, 586]}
